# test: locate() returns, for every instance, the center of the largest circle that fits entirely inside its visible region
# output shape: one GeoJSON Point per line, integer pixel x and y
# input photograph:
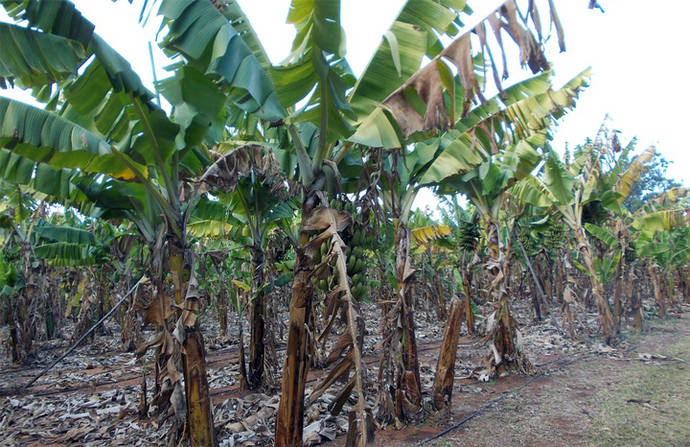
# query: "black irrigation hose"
{"type": "Point", "coordinates": [561, 364]}
{"type": "Point", "coordinates": [78, 342]}
{"type": "Point", "coordinates": [499, 399]}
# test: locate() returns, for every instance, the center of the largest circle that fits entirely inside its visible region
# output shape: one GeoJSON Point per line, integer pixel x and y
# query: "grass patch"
{"type": "Point", "coordinates": [650, 406]}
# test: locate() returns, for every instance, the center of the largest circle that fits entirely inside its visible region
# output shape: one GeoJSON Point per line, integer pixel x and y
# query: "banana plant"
{"type": "Point", "coordinates": [254, 190]}
{"type": "Point", "coordinates": [465, 150]}
{"type": "Point", "coordinates": [25, 277]}
{"type": "Point", "coordinates": [498, 149]}
{"type": "Point", "coordinates": [568, 194]}
{"type": "Point", "coordinates": [594, 183]}
{"type": "Point", "coordinates": [465, 240]}
{"type": "Point", "coordinates": [661, 235]}
{"type": "Point", "coordinates": [131, 157]}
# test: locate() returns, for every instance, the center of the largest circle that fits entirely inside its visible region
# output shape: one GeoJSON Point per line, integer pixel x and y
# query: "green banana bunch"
{"type": "Point", "coordinates": [554, 235]}
{"type": "Point", "coordinates": [355, 238]}
{"type": "Point", "coordinates": [469, 235]}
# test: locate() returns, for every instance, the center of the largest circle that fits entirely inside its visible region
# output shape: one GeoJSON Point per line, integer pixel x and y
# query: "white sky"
{"type": "Point", "coordinates": [636, 50]}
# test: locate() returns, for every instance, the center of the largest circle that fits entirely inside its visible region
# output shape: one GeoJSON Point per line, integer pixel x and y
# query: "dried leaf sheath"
{"type": "Point", "coordinates": [348, 348]}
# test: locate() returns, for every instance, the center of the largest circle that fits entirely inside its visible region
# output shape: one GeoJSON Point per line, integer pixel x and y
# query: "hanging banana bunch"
{"type": "Point", "coordinates": [469, 235]}
{"type": "Point", "coordinates": [554, 235]}
{"type": "Point", "coordinates": [356, 240]}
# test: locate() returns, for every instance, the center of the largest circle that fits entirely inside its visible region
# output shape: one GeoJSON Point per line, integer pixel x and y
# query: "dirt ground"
{"type": "Point", "coordinates": [637, 395]}
{"type": "Point", "coordinates": [583, 394]}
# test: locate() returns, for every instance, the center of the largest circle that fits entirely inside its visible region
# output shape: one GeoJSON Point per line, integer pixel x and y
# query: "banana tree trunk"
{"type": "Point", "coordinates": [199, 416]}
{"type": "Point", "coordinates": [670, 288]}
{"type": "Point", "coordinates": [222, 299]}
{"type": "Point", "coordinates": [638, 319]}
{"type": "Point", "coordinates": [617, 292]}
{"type": "Point", "coordinates": [290, 418]}
{"type": "Point", "coordinates": [52, 308]}
{"type": "Point", "coordinates": [437, 289]}
{"type": "Point", "coordinates": [385, 411]}
{"type": "Point", "coordinates": [619, 285]}
{"type": "Point", "coordinates": [505, 354]}
{"type": "Point", "coordinates": [684, 281]}
{"type": "Point", "coordinates": [24, 319]}
{"type": "Point", "coordinates": [658, 296]}
{"type": "Point", "coordinates": [538, 292]}
{"type": "Point", "coordinates": [561, 277]}
{"type": "Point", "coordinates": [600, 300]}
{"type": "Point", "coordinates": [222, 305]}
{"type": "Point", "coordinates": [256, 314]}
{"type": "Point", "coordinates": [467, 285]}
{"type": "Point", "coordinates": [445, 367]}
{"type": "Point", "coordinates": [408, 392]}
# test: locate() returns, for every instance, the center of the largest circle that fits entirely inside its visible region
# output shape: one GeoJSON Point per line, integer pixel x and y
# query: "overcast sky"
{"type": "Point", "coordinates": [636, 50]}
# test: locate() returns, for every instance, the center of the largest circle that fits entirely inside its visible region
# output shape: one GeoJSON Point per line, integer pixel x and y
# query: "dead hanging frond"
{"type": "Point", "coordinates": [346, 355]}
{"type": "Point", "coordinates": [671, 196]}
{"type": "Point", "coordinates": [423, 236]}
{"type": "Point", "coordinates": [249, 160]}
{"type": "Point", "coordinates": [429, 86]}
{"type": "Point", "coordinates": [662, 221]}
{"type": "Point", "coordinates": [635, 171]}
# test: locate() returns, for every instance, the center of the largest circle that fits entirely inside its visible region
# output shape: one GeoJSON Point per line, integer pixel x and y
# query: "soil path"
{"type": "Point", "coordinates": [634, 395]}
{"type": "Point", "coordinates": [637, 395]}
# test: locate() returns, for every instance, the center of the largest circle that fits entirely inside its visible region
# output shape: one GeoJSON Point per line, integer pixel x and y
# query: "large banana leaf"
{"type": "Point", "coordinates": [108, 99]}
{"type": "Point", "coordinates": [198, 103]}
{"type": "Point", "coordinates": [56, 184]}
{"type": "Point", "coordinates": [412, 35]}
{"type": "Point", "coordinates": [60, 18]}
{"type": "Point", "coordinates": [44, 137]}
{"type": "Point", "coordinates": [531, 191]}
{"type": "Point", "coordinates": [603, 234]}
{"type": "Point", "coordinates": [58, 233]}
{"type": "Point", "coordinates": [316, 72]}
{"type": "Point", "coordinates": [558, 182]}
{"type": "Point", "coordinates": [204, 36]}
{"type": "Point", "coordinates": [660, 221]}
{"type": "Point", "coordinates": [424, 235]}
{"type": "Point", "coordinates": [57, 17]}
{"type": "Point", "coordinates": [35, 61]}
{"type": "Point", "coordinates": [67, 246]}
{"type": "Point", "coordinates": [65, 254]}
{"type": "Point", "coordinates": [492, 177]}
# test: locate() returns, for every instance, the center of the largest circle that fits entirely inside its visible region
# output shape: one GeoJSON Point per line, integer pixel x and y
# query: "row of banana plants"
{"type": "Point", "coordinates": [329, 161]}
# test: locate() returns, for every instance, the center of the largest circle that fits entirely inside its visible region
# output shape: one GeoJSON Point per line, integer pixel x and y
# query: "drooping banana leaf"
{"type": "Point", "coordinates": [522, 114]}
{"type": "Point", "coordinates": [399, 55]}
{"type": "Point", "coordinates": [433, 97]}
{"type": "Point", "coordinates": [637, 168]}
{"type": "Point", "coordinates": [108, 98]}
{"type": "Point", "coordinates": [201, 33]}
{"type": "Point", "coordinates": [32, 60]}
{"type": "Point", "coordinates": [603, 234]}
{"type": "Point", "coordinates": [44, 137]}
{"type": "Point", "coordinates": [59, 233]}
